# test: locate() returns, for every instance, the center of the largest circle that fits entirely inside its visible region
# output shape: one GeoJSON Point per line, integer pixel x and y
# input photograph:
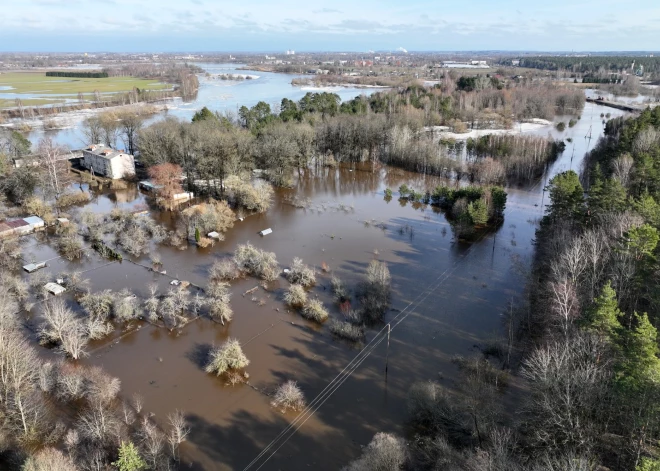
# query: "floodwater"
{"type": "Point", "coordinates": [214, 93]}
{"type": "Point", "coordinates": [448, 296]}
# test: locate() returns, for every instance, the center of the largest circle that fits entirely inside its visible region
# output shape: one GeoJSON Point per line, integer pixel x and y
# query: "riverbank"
{"type": "Point", "coordinates": [70, 118]}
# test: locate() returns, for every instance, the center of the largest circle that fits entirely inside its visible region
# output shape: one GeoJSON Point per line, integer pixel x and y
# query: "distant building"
{"type": "Point", "coordinates": [107, 162]}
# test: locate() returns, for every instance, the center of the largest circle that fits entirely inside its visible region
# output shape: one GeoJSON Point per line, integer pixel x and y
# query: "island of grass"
{"type": "Point", "coordinates": [36, 89]}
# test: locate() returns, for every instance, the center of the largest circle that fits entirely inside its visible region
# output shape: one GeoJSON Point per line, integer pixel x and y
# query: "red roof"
{"type": "Point", "coordinates": [17, 223]}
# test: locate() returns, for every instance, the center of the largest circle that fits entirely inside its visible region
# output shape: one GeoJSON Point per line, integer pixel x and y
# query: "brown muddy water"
{"type": "Point", "coordinates": [449, 296]}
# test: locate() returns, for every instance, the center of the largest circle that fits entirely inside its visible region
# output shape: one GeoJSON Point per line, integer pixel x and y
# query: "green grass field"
{"type": "Point", "coordinates": [35, 89]}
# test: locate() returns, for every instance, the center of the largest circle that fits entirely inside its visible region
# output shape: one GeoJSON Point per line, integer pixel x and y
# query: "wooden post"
{"type": "Point", "coordinates": [387, 355]}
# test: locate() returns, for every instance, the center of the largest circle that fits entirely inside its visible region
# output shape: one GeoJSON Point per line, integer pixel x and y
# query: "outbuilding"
{"type": "Point", "coordinates": [32, 267]}
{"type": "Point", "coordinates": [35, 222]}
{"type": "Point", "coordinates": [54, 288]}
{"type": "Point", "coordinates": [19, 227]}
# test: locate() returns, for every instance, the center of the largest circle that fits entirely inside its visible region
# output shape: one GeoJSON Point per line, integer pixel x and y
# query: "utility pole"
{"type": "Point", "coordinates": [387, 354]}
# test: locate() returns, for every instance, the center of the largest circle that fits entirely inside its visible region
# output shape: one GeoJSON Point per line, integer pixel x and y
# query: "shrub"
{"type": "Point", "coordinates": [227, 357]}
{"type": "Point", "coordinates": [36, 206]}
{"type": "Point", "coordinates": [207, 217]}
{"type": "Point", "coordinates": [71, 246]}
{"type": "Point", "coordinates": [224, 270]}
{"type": "Point", "coordinates": [296, 296]}
{"type": "Point", "coordinates": [478, 211]}
{"type": "Point", "coordinates": [219, 299]}
{"type": "Point", "coordinates": [338, 289]}
{"type": "Point", "coordinates": [384, 452]}
{"type": "Point", "coordinates": [133, 233]}
{"type": "Point", "coordinates": [69, 199]}
{"type": "Point", "coordinates": [572, 123]}
{"type": "Point", "coordinates": [257, 197]}
{"type": "Point", "coordinates": [315, 311]}
{"type": "Point", "coordinates": [98, 305]}
{"type": "Point", "coordinates": [257, 262]}
{"type": "Point", "coordinates": [288, 396]}
{"type": "Point", "coordinates": [388, 193]}
{"type": "Point", "coordinates": [220, 310]}
{"type": "Point", "coordinates": [106, 251]}
{"type": "Point", "coordinates": [346, 330]}
{"type": "Point", "coordinates": [561, 126]}
{"type": "Point", "coordinates": [374, 292]}
{"type": "Point", "coordinates": [404, 190]}
{"type": "Point", "coordinates": [301, 274]}
{"type": "Point", "coordinates": [430, 408]}
{"type": "Point", "coordinates": [126, 306]}
{"type": "Point", "coordinates": [49, 459]}
{"type": "Point", "coordinates": [204, 242]}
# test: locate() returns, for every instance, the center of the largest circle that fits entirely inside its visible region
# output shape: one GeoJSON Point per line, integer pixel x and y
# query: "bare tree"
{"type": "Point", "coordinates": [92, 130]}
{"type": "Point", "coordinates": [61, 326]}
{"type": "Point", "coordinates": [568, 383]}
{"type": "Point", "coordinates": [130, 123]}
{"type": "Point", "coordinates": [179, 430]}
{"type": "Point", "coordinates": [621, 168]}
{"type": "Point", "coordinates": [49, 459]}
{"type": "Point", "coordinates": [58, 320]}
{"type": "Point", "coordinates": [100, 425]}
{"type": "Point", "coordinates": [152, 443]}
{"type": "Point", "coordinates": [138, 402]}
{"type": "Point", "coordinates": [384, 452]}
{"type": "Point", "coordinates": [53, 158]}
{"type": "Point", "coordinates": [564, 304]}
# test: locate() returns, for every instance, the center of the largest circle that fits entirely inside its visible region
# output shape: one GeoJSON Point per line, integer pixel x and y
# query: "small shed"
{"type": "Point", "coordinates": [146, 185]}
{"type": "Point", "coordinates": [32, 267]}
{"type": "Point", "coordinates": [19, 227]}
{"type": "Point", "coordinates": [54, 288]}
{"type": "Point", "coordinates": [183, 196]}
{"type": "Point", "coordinates": [62, 221]}
{"type": "Point", "coordinates": [213, 235]}
{"type": "Point", "coordinates": [266, 232]}
{"type": "Point", "coordinates": [35, 222]}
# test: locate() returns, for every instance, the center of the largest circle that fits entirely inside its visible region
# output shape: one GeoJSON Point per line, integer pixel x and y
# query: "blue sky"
{"type": "Point", "coordinates": [339, 25]}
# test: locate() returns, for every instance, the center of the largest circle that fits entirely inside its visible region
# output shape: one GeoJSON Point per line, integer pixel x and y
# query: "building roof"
{"type": "Point", "coordinates": [54, 288]}
{"type": "Point", "coordinates": [101, 150]}
{"type": "Point", "coordinates": [17, 223]}
{"type": "Point", "coordinates": [34, 220]}
{"type": "Point", "coordinates": [4, 227]}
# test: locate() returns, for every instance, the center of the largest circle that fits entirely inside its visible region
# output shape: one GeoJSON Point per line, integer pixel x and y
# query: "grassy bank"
{"type": "Point", "coordinates": [35, 89]}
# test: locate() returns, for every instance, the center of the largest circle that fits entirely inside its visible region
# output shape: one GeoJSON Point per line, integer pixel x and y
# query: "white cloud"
{"type": "Point", "coordinates": [480, 24]}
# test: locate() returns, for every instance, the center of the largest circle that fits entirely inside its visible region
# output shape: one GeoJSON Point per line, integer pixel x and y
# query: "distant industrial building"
{"type": "Point", "coordinates": [107, 162]}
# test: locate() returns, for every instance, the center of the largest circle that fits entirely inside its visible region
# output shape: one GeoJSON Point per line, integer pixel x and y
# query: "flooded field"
{"type": "Point", "coordinates": [448, 298]}
{"type": "Point", "coordinates": [214, 93]}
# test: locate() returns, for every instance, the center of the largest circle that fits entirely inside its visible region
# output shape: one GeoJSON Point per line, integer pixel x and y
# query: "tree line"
{"type": "Point", "coordinates": [386, 127]}
{"type": "Point", "coordinates": [77, 74]}
{"type": "Point", "coordinates": [591, 64]}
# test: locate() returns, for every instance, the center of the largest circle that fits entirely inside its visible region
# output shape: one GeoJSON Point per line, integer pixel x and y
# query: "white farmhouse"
{"type": "Point", "coordinates": [107, 162]}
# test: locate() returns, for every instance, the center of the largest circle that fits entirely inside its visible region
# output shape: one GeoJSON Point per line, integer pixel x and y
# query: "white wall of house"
{"type": "Point", "coordinates": [119, 166]}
